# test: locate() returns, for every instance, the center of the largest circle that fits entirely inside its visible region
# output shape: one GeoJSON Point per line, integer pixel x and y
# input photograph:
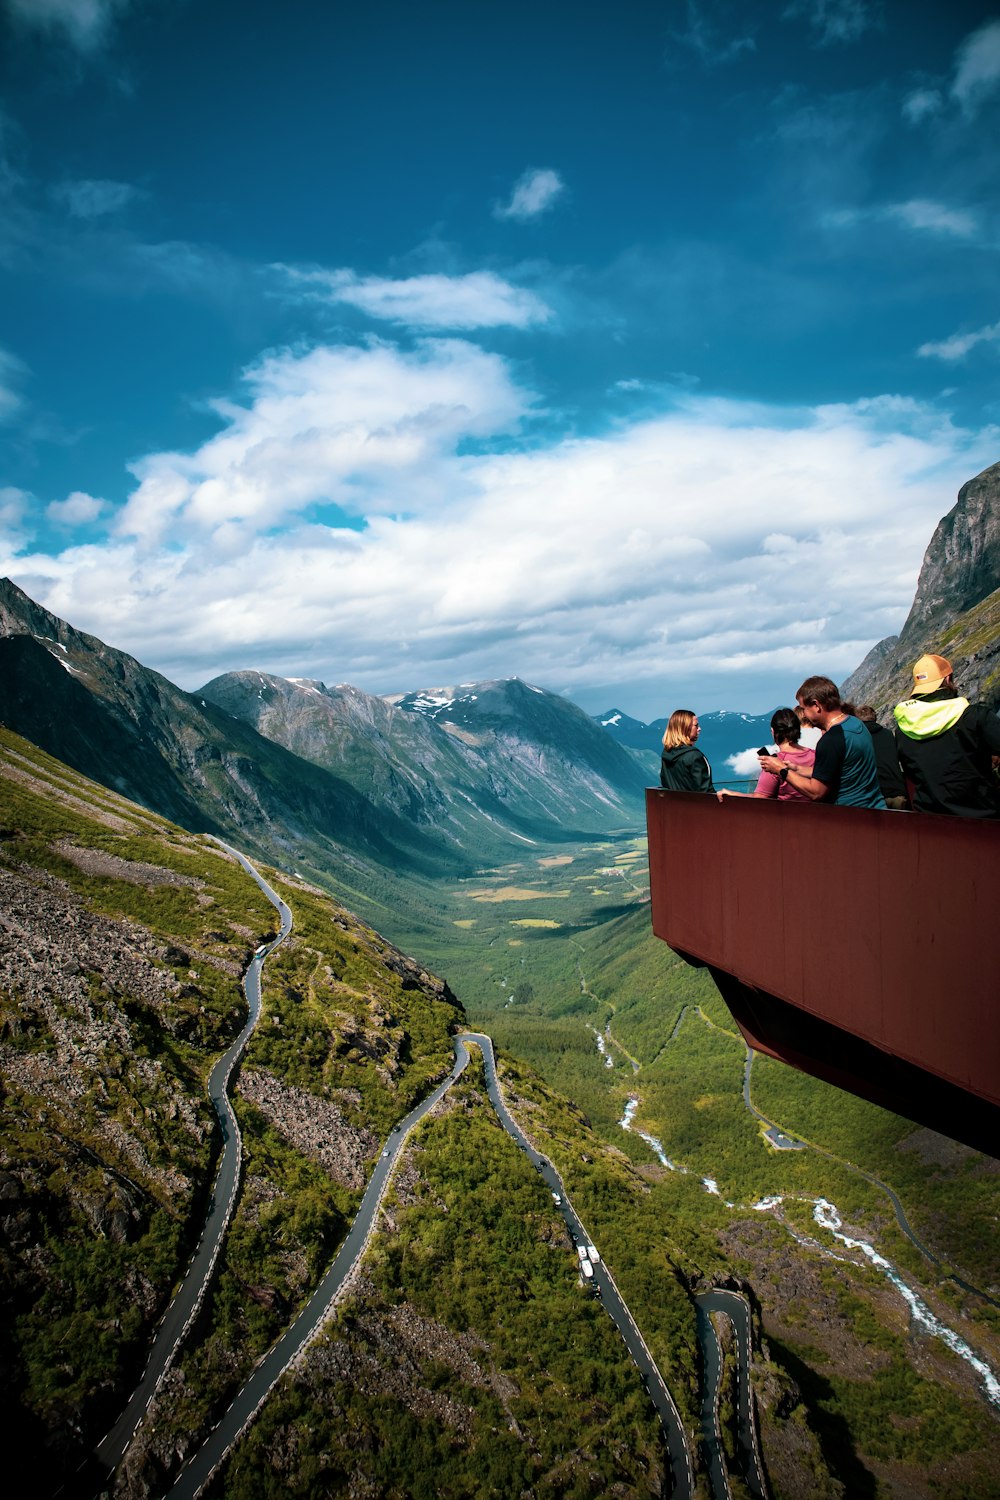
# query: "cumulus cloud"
{"type": "Point", "coordinates": [837, 21]}
{"type": "Point", "coordinates": [975, 79]}
{"type": "Point", "coordinates": [365, 429]}
{"type": "Point", "coordinates": [717, 541]}
{"type": "Point", "coordinates": [479, 299]}
{"type": "Point", "coordinates": [11, 371]}
{"type": "Point", "coordinates": [958, 345]}
{"type": "Point", "coordinates": [922, 214]}
{"type": "Point", "coordinates": [92, 198]}
{"type": "Point", "coordinates": [535, 191]}
{"type": "Point", "coordinates": [15, 510]}
{"type": "Point", "coordinates": [921, 104]}
{"type": "Point", "coordinates": [78, 509]}
{"type": "Point", "coordinates": [85, 24]}
{"type": "Point", "coordinates": [13, 506]}
{"type": "Point", "coordinates": [938, 218]}
{"type": "Point", "coordinates": [745, 763]}
{"type": "Point", "coordinates": [977, 68]}
{"type": "Point", "coordinates": [714, 32]}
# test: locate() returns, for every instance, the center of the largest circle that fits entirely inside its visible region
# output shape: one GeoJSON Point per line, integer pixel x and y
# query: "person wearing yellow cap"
{"type": "Point", "coordinates": [946, 744]}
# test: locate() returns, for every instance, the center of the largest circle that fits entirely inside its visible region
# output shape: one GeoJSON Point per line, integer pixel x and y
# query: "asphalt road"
{"type": "Point", "coordinates": [266, 1375]}
{"type": "Point", "coordinates": [682, 1479]}
{"type": "Point", "coordinates": [736, 1308]}
{"type": "Point", "coordinates": [186, 1302]}
{"type": "Point", "coordinates": [248, 1401]}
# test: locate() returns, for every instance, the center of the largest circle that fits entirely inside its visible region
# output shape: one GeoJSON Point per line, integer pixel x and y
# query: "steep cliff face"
{"type": "Point", "coordinates": [956, 610]}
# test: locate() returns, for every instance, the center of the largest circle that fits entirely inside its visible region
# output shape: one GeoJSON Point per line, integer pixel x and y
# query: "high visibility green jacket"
{"type": "Point", "coordinates": [945, 746]}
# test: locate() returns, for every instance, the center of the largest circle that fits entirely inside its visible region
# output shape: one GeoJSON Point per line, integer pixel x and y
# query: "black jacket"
{"type": "Point", "coordinates": [890, 777]}
{"type": "Point", "coordinates": [685, 769]}
{"type": "Point", "coordinates": [945, 751]}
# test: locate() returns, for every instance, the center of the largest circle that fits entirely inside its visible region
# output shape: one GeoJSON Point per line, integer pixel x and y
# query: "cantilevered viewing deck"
{"type": "Point", "coordinates": [861, 947]}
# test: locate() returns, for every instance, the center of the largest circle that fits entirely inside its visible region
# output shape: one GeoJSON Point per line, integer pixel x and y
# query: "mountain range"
{"type": "Point", "coordinates": [431, 782]}
{"type": "Point", "coordinates": [313, 777]}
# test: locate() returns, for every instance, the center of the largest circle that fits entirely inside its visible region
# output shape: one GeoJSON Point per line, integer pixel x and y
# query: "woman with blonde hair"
{"type": "Point", "coordinates": [683, 768]}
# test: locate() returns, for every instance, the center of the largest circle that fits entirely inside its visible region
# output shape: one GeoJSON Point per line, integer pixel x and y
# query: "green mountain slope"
{"type": "Point", "coordinates": [103, 713]}
{"type": "Point", "coordinates": [121, 943]}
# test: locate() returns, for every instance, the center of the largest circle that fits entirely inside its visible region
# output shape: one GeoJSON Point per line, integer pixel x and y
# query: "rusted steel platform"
{"type": "Point", "coordinates": [861, 947]}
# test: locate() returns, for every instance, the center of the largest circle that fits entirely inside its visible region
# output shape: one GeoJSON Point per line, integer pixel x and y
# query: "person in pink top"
{"type": "Point", "coordinates": [786, 729]}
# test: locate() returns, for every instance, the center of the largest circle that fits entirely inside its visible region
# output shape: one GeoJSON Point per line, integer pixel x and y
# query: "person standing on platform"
{"type": "Point", "coordinates": [683, 768]}
{"type": "Point", "coordinates": [890, 777]}
{"type": "Point", "coordinates": [844, 772]}
{"type": "Point", "coordinates": [946, 745]}
{"type": "Point", "coordinates": [787, 729]}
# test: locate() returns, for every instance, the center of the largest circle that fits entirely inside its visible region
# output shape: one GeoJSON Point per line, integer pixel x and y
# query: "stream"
{"type": "Point", "coordinates": [827, 1217]}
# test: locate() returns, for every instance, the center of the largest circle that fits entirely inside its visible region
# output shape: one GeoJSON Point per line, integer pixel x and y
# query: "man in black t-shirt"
{"type": "Point", "coordinates": [844, 772]}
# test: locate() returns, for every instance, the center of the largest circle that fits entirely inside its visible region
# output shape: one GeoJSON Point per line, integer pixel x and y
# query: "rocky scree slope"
{"type": "Point", "coordinates": [956, 610]}
{"type": "Point", "coordinates": [122, 944]}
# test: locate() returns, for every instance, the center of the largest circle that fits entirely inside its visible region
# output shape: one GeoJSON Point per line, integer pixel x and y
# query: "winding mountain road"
{"type": "Point", "coordinates": [186, 1303]}
{"type": "Point", "coordinates": [614, 1303]}
{"type": "Point", "coordinates": [283, 1353]}
{"type": "Point", "coordinates": [735, 1307]}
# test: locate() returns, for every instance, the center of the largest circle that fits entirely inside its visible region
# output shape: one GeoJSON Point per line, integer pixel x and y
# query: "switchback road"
{"type": "Point", "coordinates": [183, 1308]}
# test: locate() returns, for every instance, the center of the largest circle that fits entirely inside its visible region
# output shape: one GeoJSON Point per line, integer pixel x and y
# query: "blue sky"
{"type": "Point", "coordinates": [634, 351]}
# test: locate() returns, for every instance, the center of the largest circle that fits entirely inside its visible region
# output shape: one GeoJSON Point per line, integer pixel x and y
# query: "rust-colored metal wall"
{"type": "Point", "coordinates": [886, 925]}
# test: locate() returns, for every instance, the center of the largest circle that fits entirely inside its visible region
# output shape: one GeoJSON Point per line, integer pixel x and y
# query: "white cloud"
{"type": "Point", "coordinates": [959, 344]}
{"type": "Point", "coordinates": [921, 104]}
{"type": "Point", "coordinates": [922, 214]}
{"type": "Point", "coordinates": [13, 505]}
{"type": "Point", "coordinates": [977, 68]}
{"type": "Point", "coordinates": [938, 218]}
{"type": "Point", "coordinates": [975, 78]}
{"type": "Point", "coordinates": [366, 429]}
{"type": "Point", "coordinates": [480, 299]}
{"type": "Point", "coordinates": [11, 370]}
{"type": "Point", "coordinates": [837, 21]}
{"type": "Point", "coordinates": [716, 542]}
{"type": "Point", "coordinates": [15, 532]}
{"type": "Point", "coordinates": [92, 198]}
{"type": "Point", "coordinates": [85, 24]}
{"type": "Point", "coordinates": [77, 509]}
{"type": "Point", "coordinates": [745, 763]}
{"type": "Point", "coordinates": [535, 191]}
{"type": "Point", "coordinates": [709, 32]}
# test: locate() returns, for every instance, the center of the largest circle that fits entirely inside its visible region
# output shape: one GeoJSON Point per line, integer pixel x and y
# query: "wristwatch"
{"type": "Point", "coordinates": [783, 774]}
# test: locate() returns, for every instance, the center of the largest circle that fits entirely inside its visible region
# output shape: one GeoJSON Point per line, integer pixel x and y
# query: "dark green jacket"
{"type": "Point", "coordinates": [685, 769]}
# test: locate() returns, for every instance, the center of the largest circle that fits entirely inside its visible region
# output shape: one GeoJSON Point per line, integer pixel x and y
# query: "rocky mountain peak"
{"type": "Point", "coordinates": [956, 609]}
{"type": "Point", "coordinates": [962, 563]}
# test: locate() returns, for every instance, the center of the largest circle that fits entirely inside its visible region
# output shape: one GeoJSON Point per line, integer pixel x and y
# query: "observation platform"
{"type": "Point", "coordinates": [861, 947]}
